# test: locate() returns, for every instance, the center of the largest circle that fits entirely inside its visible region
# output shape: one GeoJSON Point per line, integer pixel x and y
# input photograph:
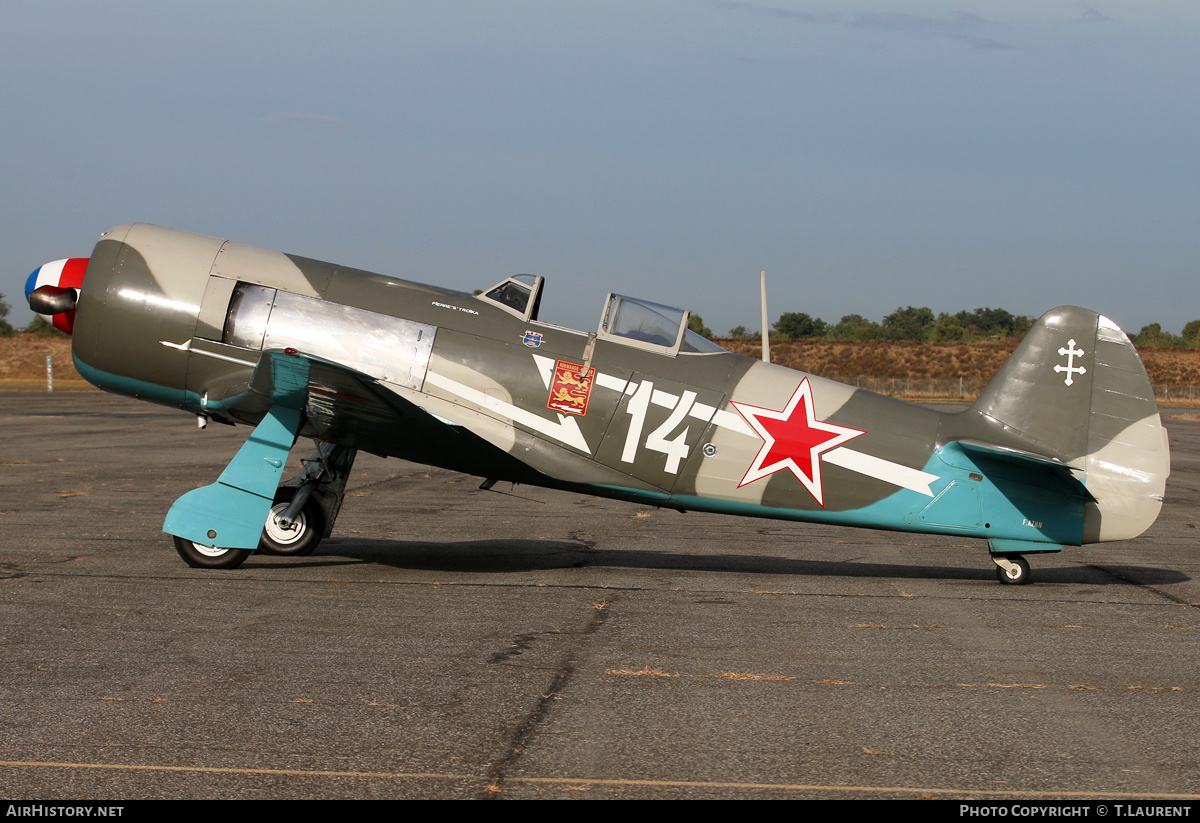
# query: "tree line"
{"type": "Point", "coordinates": [922, 325]}
{"type": "Point", "coordinates": [37, 327]}
{"type": "Point", "coordinates": [907, 323]}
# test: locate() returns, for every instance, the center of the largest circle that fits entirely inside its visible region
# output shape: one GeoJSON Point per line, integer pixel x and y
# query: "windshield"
{"type": "Point", "coordinates": [520, 294]}
{"type": "Point", "coordinates": [698, 343]}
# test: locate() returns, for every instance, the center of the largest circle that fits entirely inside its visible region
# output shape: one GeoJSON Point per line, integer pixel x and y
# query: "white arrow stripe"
{"type": "Point", "coordinates": [885, 470]}
{"type": "Point", "coordinates": [608, 381]}
{"type": "Point", "coordinates": [545, 367]}
{"type": "Point", "coordinates": [184, 347]}
{"type": "Point", "coordinates": [566, 430]}
{"type": "Point", "coordinates": [664, 399]}
{"type": "Point", "coordinates": [881, 469]}
{"type": "Point", "coordinates": [733, 422]}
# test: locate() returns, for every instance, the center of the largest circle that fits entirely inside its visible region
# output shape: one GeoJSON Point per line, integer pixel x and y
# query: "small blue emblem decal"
{"type": "Point", "coordinates": [532, 339]}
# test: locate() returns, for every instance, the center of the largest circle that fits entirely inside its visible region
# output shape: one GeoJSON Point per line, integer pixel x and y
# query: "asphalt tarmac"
{"type": "Point", "coordinates": [448, 642]}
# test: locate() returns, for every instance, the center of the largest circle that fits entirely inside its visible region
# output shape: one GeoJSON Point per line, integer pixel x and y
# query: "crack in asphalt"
{"type": "Point", "coordinates": [523, 732]}
{"type": "Point", "coordinates": [1124, 578]}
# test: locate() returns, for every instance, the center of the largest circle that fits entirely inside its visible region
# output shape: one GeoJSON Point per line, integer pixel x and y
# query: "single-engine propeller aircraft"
{"type": "Point", "coordinates": [1064, 446]}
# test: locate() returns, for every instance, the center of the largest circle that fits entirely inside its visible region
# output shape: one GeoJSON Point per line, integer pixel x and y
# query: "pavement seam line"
{"type": "Point", "coordinates": [818, 787]}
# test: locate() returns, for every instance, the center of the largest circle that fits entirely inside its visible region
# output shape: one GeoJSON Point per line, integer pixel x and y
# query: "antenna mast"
{"type": "Point", "coordinates": [766, 336]}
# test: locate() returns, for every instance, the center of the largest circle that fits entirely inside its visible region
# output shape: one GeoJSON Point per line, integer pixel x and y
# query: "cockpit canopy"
{"type": "Point", "coordinates": [625, 320]}
{"type": "Point", "coordinates": [652, 326]}
{"type": "Point", "coordinates": [520, 294]}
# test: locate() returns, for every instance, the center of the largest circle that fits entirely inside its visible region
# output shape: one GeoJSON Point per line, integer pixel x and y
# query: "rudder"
{"type": "Point", "coordinates": [1075, 391]}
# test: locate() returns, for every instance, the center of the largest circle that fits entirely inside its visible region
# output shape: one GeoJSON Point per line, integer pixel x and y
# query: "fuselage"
{"type": "Point", "coordinates": [183, 320]}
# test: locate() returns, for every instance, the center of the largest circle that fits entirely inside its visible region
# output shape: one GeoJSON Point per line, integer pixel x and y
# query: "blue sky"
{"type": "Point", "coordinates": [868, 155]}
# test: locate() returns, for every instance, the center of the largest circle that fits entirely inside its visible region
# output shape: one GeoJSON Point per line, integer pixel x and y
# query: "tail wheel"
{"type": "Point", "coordinates": [209, 557]}
{"type": "Point", "coordinates": [1017, 571]}
{"type": "Point", "coordinates": [305, 532]}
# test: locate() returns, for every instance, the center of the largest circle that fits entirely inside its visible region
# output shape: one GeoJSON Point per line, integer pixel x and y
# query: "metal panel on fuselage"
{"type": "Point", "coordinates": [658, 427]}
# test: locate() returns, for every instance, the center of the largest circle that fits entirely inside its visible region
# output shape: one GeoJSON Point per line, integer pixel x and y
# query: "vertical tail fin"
{"type": "Point", "coordinates": [1076, 391]}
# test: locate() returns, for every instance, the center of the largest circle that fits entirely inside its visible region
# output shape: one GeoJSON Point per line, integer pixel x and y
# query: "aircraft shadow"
{"type": "Point", "coordinates": [514, 555]}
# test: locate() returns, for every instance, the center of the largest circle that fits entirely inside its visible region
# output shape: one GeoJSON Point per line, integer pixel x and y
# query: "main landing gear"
{"type": "Point", "coordinates": [199, 556]}
{"type": "Point", "coordinates": [302, 513]}
{"type": "Point", "coordinates": [1012, 569]}
{"type": "Point", "coordinates": [293, 535]}
{"type": "Point", "coordinates": [297, 538]}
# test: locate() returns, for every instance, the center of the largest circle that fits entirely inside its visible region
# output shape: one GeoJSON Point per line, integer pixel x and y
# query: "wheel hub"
{"type": "Point", "coordinates": [278, 532]}
{"type": "Point", "coordinates": [209, 551]}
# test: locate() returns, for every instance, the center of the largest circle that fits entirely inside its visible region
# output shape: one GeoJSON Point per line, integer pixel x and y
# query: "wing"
{"type": "Point", "coordinates": [299, 394]}
{"type": "Point", "coordinates": [344, 406]}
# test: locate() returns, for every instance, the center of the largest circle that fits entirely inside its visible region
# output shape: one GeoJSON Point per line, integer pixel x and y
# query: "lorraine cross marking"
{"type": "Point", "coordinates": [793, 439]}
{"type": "Point", "coordinates": [1070, 352]}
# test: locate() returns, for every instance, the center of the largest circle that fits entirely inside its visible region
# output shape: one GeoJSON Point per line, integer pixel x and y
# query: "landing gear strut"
{"type": "Point", "coordinates": [1012, 569]}
{"type": "Point", "coordinates": [295, 536]}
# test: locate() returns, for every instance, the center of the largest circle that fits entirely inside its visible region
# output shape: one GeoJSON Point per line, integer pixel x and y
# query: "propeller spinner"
{"type": "Point", "coordinates": [53, 288]}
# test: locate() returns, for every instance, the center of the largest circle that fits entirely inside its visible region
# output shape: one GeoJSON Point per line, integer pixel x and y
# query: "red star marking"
{"type": "Point", "coordinates": [793, 439]}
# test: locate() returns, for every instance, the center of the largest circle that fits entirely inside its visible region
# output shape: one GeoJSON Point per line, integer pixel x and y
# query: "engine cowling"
{"type": "Point", "coordinates": [138, 310]}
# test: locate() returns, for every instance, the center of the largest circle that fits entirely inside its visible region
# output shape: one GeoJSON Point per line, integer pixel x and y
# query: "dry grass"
{"type": "Point", "coordinates": [970, 361]}
{"type": "Point", "coordinates": [885, 363]}
{"type": "Point", "coordinates": [23, 359]}
{"type": "Point", "coordinates": [649, 672]}
{"type": "Point", "coordinates": [993, 685]}
{"type": "Point", "coordinates": [1015, 686]}
{"type": "Point", "coordinates": [744, 676]}
{"type": "Point", "coordinates": [882, 358]}
{"type": "Point", "coordinates": [646, 672]}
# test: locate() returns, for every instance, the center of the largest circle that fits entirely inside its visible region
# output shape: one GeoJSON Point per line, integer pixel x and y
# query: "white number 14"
{"type": "Point", "coordinates": [675, 448]}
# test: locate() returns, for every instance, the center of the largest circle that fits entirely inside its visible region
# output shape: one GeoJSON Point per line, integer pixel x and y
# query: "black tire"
{"type": "Point", "coordinates": [203, 557]}
{"type": "Point", "coordinates": [305, 534]}
{"type": "Point", "coordinates": [1016, 577]}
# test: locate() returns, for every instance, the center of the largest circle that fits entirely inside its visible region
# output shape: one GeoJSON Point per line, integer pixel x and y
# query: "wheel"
{"type": "Point", "coordinates": [302, 537]}
{"type": "Point", "coordinates": [206, 557]}
{"type": "Point", "coordinates": [1018, 575]}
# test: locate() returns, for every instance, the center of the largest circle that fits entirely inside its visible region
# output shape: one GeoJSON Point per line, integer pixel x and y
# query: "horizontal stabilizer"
{"type": "Point", "coordinates": [1012, 454]}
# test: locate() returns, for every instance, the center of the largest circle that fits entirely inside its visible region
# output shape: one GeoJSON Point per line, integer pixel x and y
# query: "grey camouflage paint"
{"type": "Point", "coordinates": [153, 311]}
